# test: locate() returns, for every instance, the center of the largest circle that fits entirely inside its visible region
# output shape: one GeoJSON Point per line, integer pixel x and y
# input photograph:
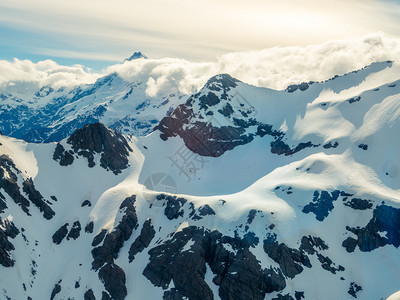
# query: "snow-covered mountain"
{"type": "Point", "coordinates": [240, 192]}
{"type": "Point", "coordinates": [38, 113]}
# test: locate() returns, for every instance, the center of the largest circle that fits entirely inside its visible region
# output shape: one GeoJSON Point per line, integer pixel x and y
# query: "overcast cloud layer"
{"type": "Point", "coordinates": [106, 30]}
{"type": "Point", "coordinates": [274, 68]}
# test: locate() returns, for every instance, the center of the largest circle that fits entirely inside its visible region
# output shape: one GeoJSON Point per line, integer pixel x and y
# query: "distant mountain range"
{"type": "Point", "coordinates": [233, 192]}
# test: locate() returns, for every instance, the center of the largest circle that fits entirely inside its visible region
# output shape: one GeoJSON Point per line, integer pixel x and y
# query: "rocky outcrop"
{"type": "Point", "coordinates": [113, 276]}
{"type": "Point", "coordinates": [114, 281]}
{"type": "Point", "coordinates": [89, 227]}
{"type": "Point", "coordinates": [114, 240]}
{"type": "Point", "coordinates": [9, 183]}
{"type": "Point", "coordinates": [95, 139]}
{"type": "Point", "coordinates": [60, 234]}
{"type": "Point", "coordinates": [56, 290]}
{"type": "Point", "coordinates": [279, 147]}
{"type": "Point", "coordinates": [354, 289]}
{"type": "Point", "coordinates": [238, 274]}
{"type": "Point", "coordinates": [173, 206]}
{"type": "Point", "coordinates": [385, 220]}
{"type": "Point", "coordinates": [8, 230]}
{"type": "Point", "coordinates": [64, 158]}
{"type": "Point", "coordinates": [192, 121]}
{"type": "Point", "coordinates": [89, 295]}
{"type": "Point", "coordinates": [143, 240]}
{"type": "Point", "coordinates": [291, 261]}
{"type": "Point", "coordinates": [359, 204]}
{"type": "Point", "coordinates": [75, 231]}
{"type": "Point", "coordinates": [37, 199]}
{"type": "Point", "coordinates": [322, 203]}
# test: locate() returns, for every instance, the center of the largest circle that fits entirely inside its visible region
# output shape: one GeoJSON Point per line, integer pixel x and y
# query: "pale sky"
{"type": "Point", "coordinates": [102, 32]}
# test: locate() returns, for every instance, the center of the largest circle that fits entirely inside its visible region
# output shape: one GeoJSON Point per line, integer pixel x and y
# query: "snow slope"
{"type": "Point", "coordinates": [298, 199]}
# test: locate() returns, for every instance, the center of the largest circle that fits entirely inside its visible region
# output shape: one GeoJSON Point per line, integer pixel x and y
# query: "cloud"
{"type": "Point", "coordinates": [274, 68]}
{"type": "Point", "coordinates": [194, 30]}
{"type": "Point", "coordinates": [44, 73]}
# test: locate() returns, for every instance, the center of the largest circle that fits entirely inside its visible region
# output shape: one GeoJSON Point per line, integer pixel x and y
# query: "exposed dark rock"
{"type": "Point", "coordinates": [173, 208]}
{"type": "Point", "coordinates": [206, 210]}
{"type": "Point", "coordinates": [56, 290]}
{"type": "Point", "coordinates": [227, 110]}
{"type": "Point", "coordinates": [99, 238]}
{"type": "Point", "coordinates": [77, 284]}
{"type": "Point", "coordinates": [330, 145]}
{"type": "Point", "coordinates": [312, 245]}
{"type": "Point", "coordinates": [89, 295]}
{"type": "Point", "coordinates": [143, 240]}
{"type": "Point", "coordinates": [75, 231]}
{"type": "Point", "coordinates": [294, 87]}
{"type": "Point", "coordinates": [89, 227]}
{"type": "Point", "coordinates": [173, 294]}
{"type": "Point", "coordinates": [363, 146]}
{"type": "Point", "coordinates": [251, 216]}
{"type": "Point", "coordinates": [291, 261]}
{"type": "Point", "coordinates": [322, 204]}
{"type": "Point", "coordinates": [354, 289]}
{"type": "Point", "coordinates": [86, 203]}
{"type": "Point", "coordinates": [385, 219]}
{"type": "Point", "coordinates": [208, 100]}
{"type": "Point", "coordinates": [238, 274]}
{"type": "Point", "coordinates": [9, 228]}
{"type": "Point", "coordinates": [5, 247]}
{"type": "Point", "coordinates": [114, 281]}
{"type": "Point", "coordinates": [299, 295]}
{"type": "Point", "coordinates": [9, 183]}
{"type": "Point", "coordinates": [105, 296]}
{"type": "Point", "coordinates": [96, 138]}
{"type": "Point", "coordinates": [63, 157]}
{"type": "Point", "coordinates": [221, 82]}
{"type": "Point", "coordinates": [60, 234]}
{"type": "Point", "coordinates": [204, 138]}
{"type": "Point", "coordinates": [359, 204]}
{"type": "Point", "coordinates": [280, 147]}
{"type": "Point", "coordinates": [355, 99]}
{"type": "Point", "coordinates": [283, 297]}
{"type": "Point", "coordinates": [37, 199]}
{"type": "Point", "coordinates": [113, 241]}
{"type": "Point", "coordinates": [328, 264]}
{"type": "Point", "coordinates": [350, 244]}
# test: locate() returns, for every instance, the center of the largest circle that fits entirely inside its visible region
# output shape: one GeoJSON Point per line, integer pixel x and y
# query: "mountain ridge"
{"type": "Point", "coordinates": [313, 194]}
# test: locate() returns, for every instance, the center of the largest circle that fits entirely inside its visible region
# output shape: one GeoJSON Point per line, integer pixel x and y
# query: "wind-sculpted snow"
{"type": "Point", "coordinates": [240, 193]}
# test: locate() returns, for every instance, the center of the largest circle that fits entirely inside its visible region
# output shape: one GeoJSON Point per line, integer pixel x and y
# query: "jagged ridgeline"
{"type": "Point", "coordinates": [235, 192]}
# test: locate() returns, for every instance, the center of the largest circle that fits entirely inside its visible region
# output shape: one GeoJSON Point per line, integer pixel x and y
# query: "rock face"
{"type": "Point", "coordinates": [291, 261]}
{"type": "Point", "coordinates": [322, 203]}
{"type": "Point", "coordinates": [143, 240]}
{"type": "Point", "coordinates": [238, 273]}
{"type": "Point", "coordinates": [95, 139]}
{"type": "Point", "coordinates": [9, 231]}
{"type": "Point", "coordinates": [9, 183]}
{"type": "Point", "coordinates": [60, 234]}
{"type": "Point", "coordinates": [37, 199]}
{"type": "Point", "coordinates": [385, 220]}
{"type": "Point", "coordinates": [111, 274]}
{"type": "Point", "coordinates": [195, 123]}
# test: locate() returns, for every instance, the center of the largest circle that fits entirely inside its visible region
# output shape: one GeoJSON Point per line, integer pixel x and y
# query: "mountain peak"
{"type": "Point", "coordinates": [96, 138]}
{"type": "Point", "coordinates": [136, 55]}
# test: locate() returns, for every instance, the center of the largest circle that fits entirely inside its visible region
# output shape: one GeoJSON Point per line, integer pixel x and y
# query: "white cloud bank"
{"type": "Point", "coordinates": [273, 68]}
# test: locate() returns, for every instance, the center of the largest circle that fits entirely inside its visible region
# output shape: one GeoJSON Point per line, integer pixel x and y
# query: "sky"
{"type": "Point", "coordinates": [101, 33]}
